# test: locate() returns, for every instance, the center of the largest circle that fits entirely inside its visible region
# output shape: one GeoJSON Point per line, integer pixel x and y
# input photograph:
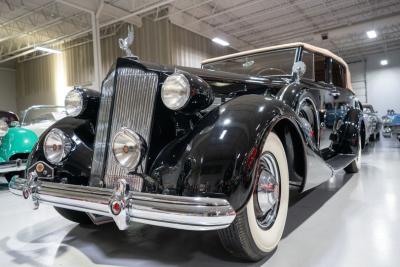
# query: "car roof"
{"type": "Point", "coordinates": [309, 47]}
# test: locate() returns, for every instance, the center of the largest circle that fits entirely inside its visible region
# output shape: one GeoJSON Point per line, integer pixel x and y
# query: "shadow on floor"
{"type": "Point", "coordinates": [158, 246]}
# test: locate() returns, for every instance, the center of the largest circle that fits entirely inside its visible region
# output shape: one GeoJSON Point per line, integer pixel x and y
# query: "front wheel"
{"type": "Point", "coordinates": [258, 228]}
{"type": "Point", "coordinates": [75, 216]}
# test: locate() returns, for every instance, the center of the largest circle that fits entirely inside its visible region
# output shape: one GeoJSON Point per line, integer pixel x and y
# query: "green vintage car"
{"type": "Point", "coordinates": [17, 138]}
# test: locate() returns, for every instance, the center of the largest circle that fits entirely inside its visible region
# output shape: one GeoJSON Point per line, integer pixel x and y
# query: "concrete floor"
{"type": "Point", "coordinates": [347, 221]}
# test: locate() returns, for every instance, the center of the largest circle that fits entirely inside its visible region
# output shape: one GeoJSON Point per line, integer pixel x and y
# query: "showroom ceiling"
{"type": "Point", "coordinates": [245, 24]}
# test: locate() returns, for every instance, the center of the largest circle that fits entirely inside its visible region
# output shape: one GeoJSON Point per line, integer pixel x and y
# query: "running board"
{"type": "Point", "coordinates": [340, 161]}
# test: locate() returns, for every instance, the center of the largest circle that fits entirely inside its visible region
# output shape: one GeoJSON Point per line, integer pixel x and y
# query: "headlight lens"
{"type": "Point", "coordinates": [56, 146]}
{"type": "Point", "coordinates": [175, 91]}
{"type": "Point", "coordinates": [128, 148]}
{"type": "Point", "coordinates": [3, 128]}
{"type": "Point", "coordinates": [74, 102]}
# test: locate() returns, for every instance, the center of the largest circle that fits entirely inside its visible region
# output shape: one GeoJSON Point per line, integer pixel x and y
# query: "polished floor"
{"type": "Point", "coordinates": [351, 220]}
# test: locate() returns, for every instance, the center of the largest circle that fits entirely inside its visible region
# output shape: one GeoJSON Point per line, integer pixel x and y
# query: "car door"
{"type": "Point", "coordinates": [318, 70]}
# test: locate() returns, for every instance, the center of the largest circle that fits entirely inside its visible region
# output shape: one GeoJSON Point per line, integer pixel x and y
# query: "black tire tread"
{"type": "Point", "coordinates": [75, 216]}
{"type": "Point", "coordinates": [237, 240]}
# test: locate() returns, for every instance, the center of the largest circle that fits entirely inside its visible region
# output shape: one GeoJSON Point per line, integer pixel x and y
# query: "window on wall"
{"type": "Point", "coordinates": [338, 74]}
{"type": "Point", "coordinates": [320, 66]}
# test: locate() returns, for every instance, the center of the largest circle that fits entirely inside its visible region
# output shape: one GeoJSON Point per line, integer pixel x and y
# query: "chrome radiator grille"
{"type": "Point", "coordinates": [127, 101]}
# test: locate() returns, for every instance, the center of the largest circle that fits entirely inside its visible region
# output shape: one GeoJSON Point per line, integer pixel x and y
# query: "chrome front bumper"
{"type": "Point", "coordinates": [123, 206]}
{"type": "Point", "coordinates": [12, 166]}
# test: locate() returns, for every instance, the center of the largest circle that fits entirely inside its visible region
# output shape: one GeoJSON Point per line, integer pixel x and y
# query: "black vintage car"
{"type": "Point", "coordinates": [217, 148]}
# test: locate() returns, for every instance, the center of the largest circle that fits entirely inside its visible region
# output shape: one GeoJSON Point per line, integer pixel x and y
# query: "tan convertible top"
{"type": "Point", "coordinates": [309, 47]}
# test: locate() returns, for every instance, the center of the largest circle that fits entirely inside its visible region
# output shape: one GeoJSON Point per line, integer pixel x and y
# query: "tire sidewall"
{"type": "Point", "coordinates": [267, 240]}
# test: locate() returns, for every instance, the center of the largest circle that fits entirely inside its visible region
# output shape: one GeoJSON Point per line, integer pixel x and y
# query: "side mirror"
{"type": "Point", "coordinates": [298, 69]}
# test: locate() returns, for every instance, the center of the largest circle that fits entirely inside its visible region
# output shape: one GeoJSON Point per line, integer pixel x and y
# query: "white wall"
{"type": "Point", "coordinates": [7, 90]}
{"type": "Point", "coordinates": [382, 82]}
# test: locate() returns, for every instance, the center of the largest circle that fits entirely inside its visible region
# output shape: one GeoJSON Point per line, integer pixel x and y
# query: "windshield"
{"type": "Point", "coordinates": [43, 115]}
{"type": "Point", "coordinates": [271, 63]}
{"type": "Point", "coordinates": [367, 110]}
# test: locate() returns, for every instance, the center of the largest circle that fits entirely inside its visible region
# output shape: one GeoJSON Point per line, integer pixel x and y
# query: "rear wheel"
{"type": "Point", "coordinates": [75, 216]}
{"type": "Point", "coordinates": [257, 229]}
{"type": "Point", "coordinates": [355, 165]}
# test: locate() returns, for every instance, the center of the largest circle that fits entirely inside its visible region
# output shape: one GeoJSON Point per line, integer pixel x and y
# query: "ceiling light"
{"type": "Point", "coordinates": [220, 41]}
{"type": "Point", "coordinates": [372, 34]}
{"type": "Point", "coordinates": [384, 62]}
{"type": "Point", "coordinates": [48, 50]}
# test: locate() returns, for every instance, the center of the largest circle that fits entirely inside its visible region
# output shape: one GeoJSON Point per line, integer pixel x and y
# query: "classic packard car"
{"type": "Point", "coordinates": [391, 124]}
{"type": "Point", "coordinates": [18, 138]}
{"type": "Point", "coordinates": [374, 121]}
{"type": "Point", "coordinates": [217, 148]}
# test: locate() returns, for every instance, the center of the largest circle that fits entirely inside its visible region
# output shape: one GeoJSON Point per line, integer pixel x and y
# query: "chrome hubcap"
{"type": "Point", "coordinates": [268, 191]}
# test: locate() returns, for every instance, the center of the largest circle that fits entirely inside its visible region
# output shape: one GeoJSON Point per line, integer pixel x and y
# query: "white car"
{"type": "Point", "coordinates": [39, 118]}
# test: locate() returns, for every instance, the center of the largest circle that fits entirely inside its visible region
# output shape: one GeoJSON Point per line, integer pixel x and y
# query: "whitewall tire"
{"type": "Point", "coordinates": [258, 228]}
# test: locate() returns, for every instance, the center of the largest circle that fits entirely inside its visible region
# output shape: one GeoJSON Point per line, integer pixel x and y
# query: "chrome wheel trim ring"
{"type": "Point", "coordinates": [267, 193]}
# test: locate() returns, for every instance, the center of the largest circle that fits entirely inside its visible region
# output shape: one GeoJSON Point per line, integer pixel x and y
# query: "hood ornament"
{"type": "Point", "coordinates": [125, 43]}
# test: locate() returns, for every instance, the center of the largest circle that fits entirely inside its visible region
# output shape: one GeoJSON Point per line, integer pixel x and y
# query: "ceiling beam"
{"type": "Point", "coordinates": [182, 10]}
{"type": "Point", "coordinates": [228, 10]}
{"type": "Point", "coordinates": [190, 23]}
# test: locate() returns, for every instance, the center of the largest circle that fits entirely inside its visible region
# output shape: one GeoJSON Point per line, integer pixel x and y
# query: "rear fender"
{"type": "Point", "coordinates": [349, 132]}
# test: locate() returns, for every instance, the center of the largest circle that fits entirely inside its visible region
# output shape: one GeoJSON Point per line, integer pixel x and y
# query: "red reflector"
{"type": "Point", "coordinates": [116, 208]}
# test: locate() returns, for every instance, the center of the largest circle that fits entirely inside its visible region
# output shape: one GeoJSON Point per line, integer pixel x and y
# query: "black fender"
{"type": "Point", "coordinates": [349, 132]}
{"type": "Point", "coordinates": [77, 165]}
{"type": "Point", "coordinates": [217, 157]}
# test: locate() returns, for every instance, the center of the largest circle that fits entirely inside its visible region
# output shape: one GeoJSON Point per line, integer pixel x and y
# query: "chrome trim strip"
{"type": "Point", "coordinates": [103, 119]}
{"type": "Point", "coordinates": [13, 165]}
{"type": "Point", "coordinates": [189, 213]}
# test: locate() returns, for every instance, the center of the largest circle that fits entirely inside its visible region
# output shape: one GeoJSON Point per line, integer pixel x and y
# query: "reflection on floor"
{"type": "Point", "coordinates": [347, 221]}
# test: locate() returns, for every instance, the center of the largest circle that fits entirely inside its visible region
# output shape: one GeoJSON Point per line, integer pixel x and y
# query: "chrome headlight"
{"type": "Point", "coordinates": [175, 91]}
{"type": "Point", "coordinates": [128, 148]}
{"type": "Point", "coordinates": [56, 146]}
{"type": "Point", "coordinates": [74, 102]}
{"type": "Point", "coordinates": [3, 128]}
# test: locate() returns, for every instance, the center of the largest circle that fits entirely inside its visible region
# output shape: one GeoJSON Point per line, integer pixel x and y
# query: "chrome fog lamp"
{"type": "Point", "coordinates": [3, 128]}
{"type": "Point", "coordinates": [74, 102]}
{"type": "Point", "coordinates": [175, 91]}
{"type": "Point", "coordinates": [56, 146]}
{"type": "Point", "coordinates": [128, 148]}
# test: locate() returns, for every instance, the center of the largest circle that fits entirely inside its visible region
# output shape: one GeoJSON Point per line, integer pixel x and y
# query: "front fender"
{"type": "Point", "coordinates": [16, 141]}
{"type": "Point", "coordinates": [217, 157]}
{"type": "Point", "coordinates": [76, 166]}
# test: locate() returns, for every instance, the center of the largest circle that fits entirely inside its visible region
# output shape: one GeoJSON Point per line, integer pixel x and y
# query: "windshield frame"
{"type": "Point", "coordinates": [298, 50]}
